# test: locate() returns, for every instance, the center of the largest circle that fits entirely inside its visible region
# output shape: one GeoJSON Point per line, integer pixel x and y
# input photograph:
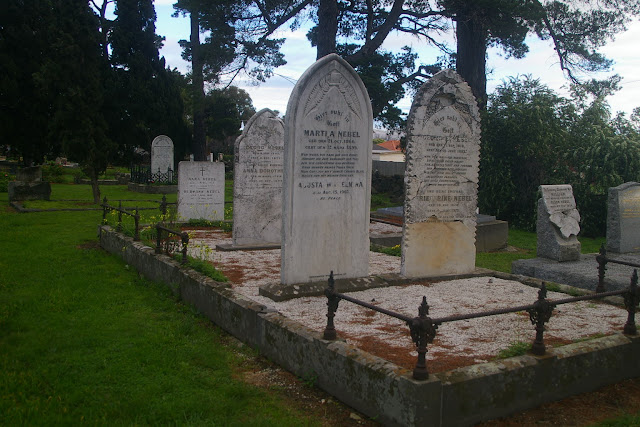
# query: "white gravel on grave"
{"type": "Point", "coordinates": [481, 339]}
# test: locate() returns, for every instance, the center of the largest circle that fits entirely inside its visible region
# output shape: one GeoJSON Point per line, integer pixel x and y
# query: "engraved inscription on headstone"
{"type": "Point", "coordinates": [623, 218]}
{"type": "Point", "coordinates": [558, 224]}
{"type": "Point", "coordinates": [162, 154]}
{"type": "Point", "coordinates": [257, 185]}
{"type": "Point", "coordinates": [441, 179]}
{"type": "Point", "coordinates": [327, 175]}
{"type": "Point", "coordinates": [201, 191]}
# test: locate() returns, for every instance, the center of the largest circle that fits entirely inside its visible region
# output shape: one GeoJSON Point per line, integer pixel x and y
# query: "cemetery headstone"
{"type": "Point", "coordinates": [29, 185]}
{"type": "Point", "coordinates": [623, 218]}
{"type": "Point", "coordinates": [441, 179]}
{"type": "Point", "coordinates": [257, 184]}
{"type": "Point", "coordinates": [327, 175]}
{"type": "Point", "coordinates": [162, 154]}
{"type": "Point", "coordinates": [200, 191]}
{"type": "Point", "coordinates": [558, 224]}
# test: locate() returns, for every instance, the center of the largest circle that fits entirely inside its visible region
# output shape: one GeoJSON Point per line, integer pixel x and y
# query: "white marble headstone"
{"type": "Point", "coordinates": [327, 175]}
{"type": "Point", "coordinates": [200, 191]}
{"type": "Point", "coordinates": [257, 184]}
{"type": "Point", "coordinates": [441, 179]}
{"type": "Point", "coordinates": [558, 224]}
{"type": "Point", "coordinates": [161, 154]}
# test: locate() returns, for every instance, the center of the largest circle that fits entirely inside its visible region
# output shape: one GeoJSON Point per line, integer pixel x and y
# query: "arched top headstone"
{"type": "Point", "coordinates": [257, 184]}
{"type": "Point", "coordinates": [162, 154]}
{"type": "Point", "coordinates": [327, 174]}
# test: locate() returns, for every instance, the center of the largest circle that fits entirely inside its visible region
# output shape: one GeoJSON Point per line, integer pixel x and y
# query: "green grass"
{"type": "Point", "coordinates": [517, 348]}
{"type": "Point", "coordinates": [83, 339]}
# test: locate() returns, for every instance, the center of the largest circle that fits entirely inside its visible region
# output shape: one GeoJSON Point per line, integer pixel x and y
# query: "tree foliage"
{"type": "Point", "coordinates": [532, 136]}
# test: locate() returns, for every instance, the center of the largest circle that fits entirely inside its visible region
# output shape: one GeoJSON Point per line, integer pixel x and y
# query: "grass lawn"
{"type": "Point", "coordinates": [84, 339]}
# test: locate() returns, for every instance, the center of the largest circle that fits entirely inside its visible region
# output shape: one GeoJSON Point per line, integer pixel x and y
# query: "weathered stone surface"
{"type": "Point", "coordinates": [29, 174]}
{"type": "Point", "coordinates": [29, 190]}
{"type": "Point", "coordinates": [557, 225]}
{"type": "Point", "coordinates": [162, 154]}
{"type": "Point", "coordinates": [623, 218]}
{"type": "Point", "coordinates": [201, 191]}
{"type": "Point", "coordinates": [441, 179]}
{"type": "Point", "coordinates": [327, 175]}
{"type": "Point", "coordinates": [257, 185]}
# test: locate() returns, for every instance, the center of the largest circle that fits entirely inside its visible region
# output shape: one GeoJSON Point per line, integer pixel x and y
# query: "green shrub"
{"type": "Point", "coordinates": [5, 177]}
{"type": "Point", "coordinates": [53, 172]}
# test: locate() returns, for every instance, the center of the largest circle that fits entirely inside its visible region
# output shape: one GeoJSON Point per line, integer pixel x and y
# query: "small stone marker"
{"type": "Point", "coordinates": [161, 154]}
{"type": "Point", "coordinates": [257, 184]}
{"type": "Point", "coordinates": [623, 218]}
{"type": "Point", "coordinates": [200, 191]}
{"type": "Point", "coordinates": [327, 175]}
{"type": "Point", "coordinates": [29, 185]}
{"type": "Point", "coordinates": [441, 179]}
{"type": "Point", "coordinates": [558, 224]}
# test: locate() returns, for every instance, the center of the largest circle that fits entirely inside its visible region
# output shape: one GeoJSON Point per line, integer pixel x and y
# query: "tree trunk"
{"type": "Point", "coordinates": [471, 60]}
{"type": "Point", "coordinates": [198, 147]}
{"type": "Point", "coordinates": [327, 27]}
{"type": "Point", "coordinates": [95, 189]}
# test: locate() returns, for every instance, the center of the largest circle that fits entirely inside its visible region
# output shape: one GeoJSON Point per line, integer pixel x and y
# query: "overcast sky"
{"type": "Point", "coordinates": [540, 62]}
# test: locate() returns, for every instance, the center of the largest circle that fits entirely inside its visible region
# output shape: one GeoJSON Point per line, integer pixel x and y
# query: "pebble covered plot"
{"type": "Point", "coordinates": [456, 344]}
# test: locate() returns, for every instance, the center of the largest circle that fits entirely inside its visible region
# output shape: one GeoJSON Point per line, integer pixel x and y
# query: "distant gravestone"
{"type": "Point", "coordinates": [558, 224]}
{"type": "Point", "coordinates": [327, 175]}
{"type": "Point", "coordinates": [200, 191]}
{"type": "Point", "coordinates": [162, 154]}
{"type": "Point", "coordinates": [29, 185]}
{"type": "Point", "coordinates": [441, 179]}
{"type": "Point", "coordinates": [257, 184]}
{"type": "Point", "coordinates": [623, 218]}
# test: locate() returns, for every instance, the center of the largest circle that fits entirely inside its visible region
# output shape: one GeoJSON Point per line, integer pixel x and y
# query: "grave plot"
{"type": "Point", "coordinates": [457, 344]}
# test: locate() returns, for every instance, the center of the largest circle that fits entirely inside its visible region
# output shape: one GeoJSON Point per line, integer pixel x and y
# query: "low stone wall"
{"type": "Point", "coordinates": [375, 386]}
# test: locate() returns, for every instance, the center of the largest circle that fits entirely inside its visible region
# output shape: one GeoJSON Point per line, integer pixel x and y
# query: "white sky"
{"type": "Point", "coordinates": [540, 62]}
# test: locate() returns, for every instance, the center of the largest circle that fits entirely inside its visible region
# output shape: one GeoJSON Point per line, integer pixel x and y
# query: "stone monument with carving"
{"type": "Point", "coordinates": [623, 218]}
{"type": "Point", "coordinates": [327, 175]}
{"type": "Point", "coordinates": [201, 191]}
{"type": "Point", "coordinates": [558, 224]}
{"type": "Point", "coordinates": [441, 179]}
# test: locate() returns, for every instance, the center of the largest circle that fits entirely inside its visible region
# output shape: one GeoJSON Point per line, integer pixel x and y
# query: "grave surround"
{"type": "Point", "coordinates": [327, 175]}
{"type": "Point", "coordinates": [201, 191]}
{"type": "Point", "coordinates": [441, 179]}
{"type": "Point", "coordinates": [623, 218]}
{"type": "Point", "coordinates": [257, 185]}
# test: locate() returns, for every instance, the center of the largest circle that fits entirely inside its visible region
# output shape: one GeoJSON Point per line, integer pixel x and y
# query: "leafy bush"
{"type": "Point", "coordinates": [4, 181]}
{"type": "Point", "coordinates": [53, 172]}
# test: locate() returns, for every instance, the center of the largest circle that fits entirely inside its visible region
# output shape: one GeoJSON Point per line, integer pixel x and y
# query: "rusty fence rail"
{"type": "Point", "coordinates": [423, 328]}
{"type": "Point", "coordinates": [602, 260]}
{"type": "Point", "coordinates": [184, 238]}
{"type": "Point", "coordinates": [106, 207]}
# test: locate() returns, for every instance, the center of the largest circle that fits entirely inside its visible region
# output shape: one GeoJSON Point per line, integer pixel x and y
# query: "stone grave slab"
{"type": "Point", "coordinates": [257, 185]}
{"type": "Point", "coordinates": [200, 191]}
{"type": "Point", "coordinates": [623, 218]}
{"type": "Point", "coordinates": [558, 224]}
{"type": "Point", "coordinates": [327, 175]}
{"type": "Point", "coordinates": [29, 185]}
{"type": "Point", "coordinates": [162, 154]}
{"type": "Point", "coordinates": [441, 179]}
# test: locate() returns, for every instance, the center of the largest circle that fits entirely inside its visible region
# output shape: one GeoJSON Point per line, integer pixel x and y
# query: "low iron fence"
{"type": "Point", "coordinates": [602, 260]}
{"type": "Point", "coordinates": [184, 241]}
{"type": "Point", "coordinates": [423, 328]}
{"type": "Point", "coordinates": [144, 175]}
{"type": "Point", "coordinates": [136, 216]}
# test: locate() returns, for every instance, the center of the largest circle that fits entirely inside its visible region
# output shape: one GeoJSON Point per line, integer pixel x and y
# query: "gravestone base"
{"type": "Point", "coordinates": [491, 235]}
{"type": "Point", "coordinates": [551, 244]}
{"type": "Point", "coordinates": [40, 190]}
{"type": "Point", "coordinates": [255, 247]}
{"type": "Point", "coordinates": [438, 248]}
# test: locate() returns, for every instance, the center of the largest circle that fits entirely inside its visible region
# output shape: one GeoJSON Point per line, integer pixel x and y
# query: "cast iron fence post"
{"type": "Point", "coordinates": [185, 243]}
{"type": "Point", "coordinates": [158, 239]}
{"type": "Point", "coordinates": [163, 206]}
{"type": "Point", "coordinates": [119, 226]}
{"type": "Point", "coordinates": [136, 218]}
{"type": "Point", "coordinates": [423, 331]}
{"type": "Point", "coordinates": [104, 210]}
{"type": "Point", "coordinates": [631, 300]}
{"type": "Point", "coordinates": [539, 315]}
{"type": "Point", "coordinates": [332, 307]}
{"type": "Point", "coordinates": [601, 258]}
